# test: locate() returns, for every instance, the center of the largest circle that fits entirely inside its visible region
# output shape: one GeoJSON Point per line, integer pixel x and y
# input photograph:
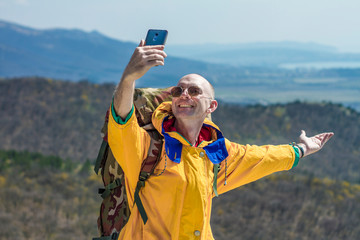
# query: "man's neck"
{"type": "Point", "coordinates": [190, 130]}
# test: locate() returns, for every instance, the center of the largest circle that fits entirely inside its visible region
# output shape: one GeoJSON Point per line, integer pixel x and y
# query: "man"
{"type": "Point", "coordinates": [178, 200]}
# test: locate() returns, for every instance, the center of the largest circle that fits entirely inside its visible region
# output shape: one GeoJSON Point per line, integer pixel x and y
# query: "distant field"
{"type": "Point", "coordinates": [264, 95]}
{"type": "Point", "coordinates": [322, 65]}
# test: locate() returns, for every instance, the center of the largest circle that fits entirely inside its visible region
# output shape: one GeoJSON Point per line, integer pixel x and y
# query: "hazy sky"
{"type": "Point", "coordinates": [331, 22]}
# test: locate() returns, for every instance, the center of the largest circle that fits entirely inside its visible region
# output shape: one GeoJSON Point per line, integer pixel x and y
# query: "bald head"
{"type": "Point", "coordinates": [198, 80]}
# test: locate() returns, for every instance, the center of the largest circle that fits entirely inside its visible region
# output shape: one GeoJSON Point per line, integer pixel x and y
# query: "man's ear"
{"type": "Point", "coordinates": [213, 106]}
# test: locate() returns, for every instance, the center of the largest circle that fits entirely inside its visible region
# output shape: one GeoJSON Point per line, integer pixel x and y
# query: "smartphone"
{"type": "Point", "coordinates": [156, 37]}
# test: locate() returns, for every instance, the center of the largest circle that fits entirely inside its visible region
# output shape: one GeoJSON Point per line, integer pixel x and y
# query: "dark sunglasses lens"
{"type": "Point", "coordinates": [194, 91]}
{"type": "Point", "coordinates": [176, 91]}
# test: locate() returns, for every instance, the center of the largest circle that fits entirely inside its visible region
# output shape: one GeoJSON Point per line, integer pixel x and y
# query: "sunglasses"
{"type": "Point", "coordinates": [193, 91]}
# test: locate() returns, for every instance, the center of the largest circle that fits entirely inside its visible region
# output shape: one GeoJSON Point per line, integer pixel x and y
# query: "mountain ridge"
{"type": "Point", "coordinates": [76, 55]}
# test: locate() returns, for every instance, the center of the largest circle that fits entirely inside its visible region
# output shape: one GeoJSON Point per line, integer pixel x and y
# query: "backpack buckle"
{"type": "Point", "coordinates": [144, 176]}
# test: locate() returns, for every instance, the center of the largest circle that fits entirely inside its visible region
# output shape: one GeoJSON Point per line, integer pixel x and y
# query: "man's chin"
{"type": "Point", "coordinates": [184, 113]}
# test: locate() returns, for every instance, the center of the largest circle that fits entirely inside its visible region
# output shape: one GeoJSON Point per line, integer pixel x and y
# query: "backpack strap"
{"type": "Point", "coordinates": [104, 148]}
{"type": "Point", "coordinates": [100, 157]}
{"type": "Point", "coordinates": [141, 183]}
{"type": "Point", "coordinates": [147, 168]}
{"type": "Point", "coordinates": [107, 190]}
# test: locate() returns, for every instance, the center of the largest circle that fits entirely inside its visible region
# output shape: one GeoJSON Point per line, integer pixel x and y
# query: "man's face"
{"type": "Point", "coordinates": [192, 107]}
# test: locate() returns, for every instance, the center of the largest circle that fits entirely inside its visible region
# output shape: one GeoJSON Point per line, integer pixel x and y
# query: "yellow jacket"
{"type": "Point", "coordinates": [178, 202]}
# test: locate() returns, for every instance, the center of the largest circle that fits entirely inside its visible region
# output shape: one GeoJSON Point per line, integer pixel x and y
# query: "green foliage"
{"type": "Point", "coordinates": [45, 197]}
{"type": "Point", "coordinates": [285, 206]}
{"type": "Point", "coordinates": [86, 168]}
{"type": "Point", "coordinates": [281, 124]}
{"type": "Point", "coordinates": [26, 160]}
{"type": "Point", "coordinates": [64, 119]}
{"type": "Point", "coordinates": [53, 117]}
{"type": "Point", "coordinates": [64, 204]}
{"type": "Point", "coordinates": [50, 130]}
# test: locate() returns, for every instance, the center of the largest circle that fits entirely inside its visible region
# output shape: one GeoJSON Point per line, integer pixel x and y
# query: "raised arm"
{"type": "Point", "coordinates": [143, 58]}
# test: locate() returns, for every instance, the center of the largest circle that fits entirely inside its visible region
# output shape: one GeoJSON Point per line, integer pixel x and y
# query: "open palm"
{"type": "Point", "coordinates": [314, 143]}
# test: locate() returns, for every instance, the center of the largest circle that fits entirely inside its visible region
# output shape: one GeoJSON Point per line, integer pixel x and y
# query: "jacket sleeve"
{"type": "Point", "coordinates": [248, 163]}
{"type": "Point", "coordinates": [129, 144]}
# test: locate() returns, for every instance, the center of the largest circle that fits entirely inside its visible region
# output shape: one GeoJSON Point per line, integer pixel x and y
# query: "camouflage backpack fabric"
{"type": "Point", "coordinates": [114, 209]}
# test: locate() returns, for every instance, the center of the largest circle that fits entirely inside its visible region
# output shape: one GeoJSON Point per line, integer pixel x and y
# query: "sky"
{"type": "Point", "coordinates": [330, 22]}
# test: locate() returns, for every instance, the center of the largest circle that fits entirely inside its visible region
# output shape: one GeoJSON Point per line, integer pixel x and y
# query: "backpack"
{"type": "Point", "coordinates": [114, 209]}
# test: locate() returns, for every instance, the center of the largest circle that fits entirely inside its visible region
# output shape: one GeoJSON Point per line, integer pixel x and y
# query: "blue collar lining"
{"type": "Point", "coordinates": [215, 151]}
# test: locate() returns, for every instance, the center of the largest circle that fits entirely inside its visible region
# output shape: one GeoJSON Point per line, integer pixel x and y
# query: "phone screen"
{"type": "Point", "coordinates": [156, 37]}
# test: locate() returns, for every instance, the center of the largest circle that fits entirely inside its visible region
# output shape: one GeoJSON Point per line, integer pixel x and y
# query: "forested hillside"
{"type": "Point", "coordinates": [50, 135]}
{"type": "Point", "coordinates": [53, 117]}
{"type": "Point", "coordinates": [285, 206]}
{"type": "Point", "coordinates": [64, 119]}
{"type": "Point", "coordinates": [45, 197]}
{"type": "Point", "coordinates": [278, 124]}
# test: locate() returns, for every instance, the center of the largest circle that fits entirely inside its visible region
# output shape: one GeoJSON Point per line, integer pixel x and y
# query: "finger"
{"type": "Point", "coordinates": [319, 139]}
{"type": "Point", "coordinates": [328, 136]}
{"type": "Point", "coordinates": [302, 136]}
{"type": "Point", "coordinates": [320, 136]}
{"type": "Point", "coordinates": [159, 47]}
{"type": "Point", "coordinates": [159, 63]}
{"type": "Point", "coordinates": [324, 135]}
{"type": "Point", "coordinates": [156, 51]}
{"type": "Point", "coordinates": [154, 57]}
{"type": "Point", "coordinates": [303, 133]}
{"type": "Point", "coordinates": [142, 43]}
{"type": "Point", "coordinates": [155, 63]}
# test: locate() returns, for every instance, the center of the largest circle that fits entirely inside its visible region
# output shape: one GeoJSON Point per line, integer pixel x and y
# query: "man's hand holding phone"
{"type": "Point", "coordinates": [144, 58]}
{"type": "Point", "coordinates": [148, 54]}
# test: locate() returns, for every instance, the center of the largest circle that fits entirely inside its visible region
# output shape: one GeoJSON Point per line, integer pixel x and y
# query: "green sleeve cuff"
{"type": "Point", "coordinates": [297, 157]}
{"type": "Point", "coordinates": [117, 118]}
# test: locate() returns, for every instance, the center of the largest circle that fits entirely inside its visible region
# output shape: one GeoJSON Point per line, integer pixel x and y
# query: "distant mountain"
{"type": "Point", "coordinates": [262, 54]}
{"type": "Point", "coordinates": [76, 55]}
{"type": "Point", "coordinates": [66, 54]}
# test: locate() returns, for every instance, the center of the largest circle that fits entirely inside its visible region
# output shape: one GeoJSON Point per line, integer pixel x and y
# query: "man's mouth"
{"type": "Point", "coordinates": [185, 106]}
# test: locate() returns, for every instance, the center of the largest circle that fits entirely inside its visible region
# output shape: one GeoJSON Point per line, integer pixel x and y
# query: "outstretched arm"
{"type": "Point", "coordinates": [313, 144]}
{"type": "Point", "coordinates": [143, 58]}
{"type": "Point", "coordinates": [248, 163]}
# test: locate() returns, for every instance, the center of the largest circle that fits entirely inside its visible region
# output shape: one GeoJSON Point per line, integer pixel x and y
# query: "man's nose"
{"type": "Point", "coordinates": [185, 93]}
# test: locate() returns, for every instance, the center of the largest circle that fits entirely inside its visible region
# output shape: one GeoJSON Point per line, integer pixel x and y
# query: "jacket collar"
{"type": "Point", "coordinates": [215, 149]}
